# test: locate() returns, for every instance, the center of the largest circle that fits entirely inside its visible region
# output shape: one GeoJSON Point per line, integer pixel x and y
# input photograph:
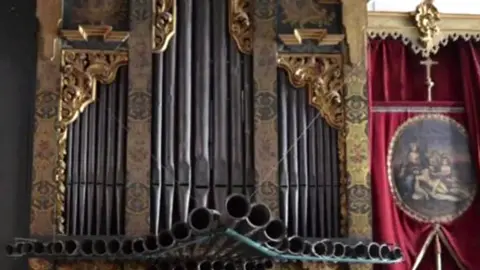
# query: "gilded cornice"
{"type": "Point", "coordinates": [321, 74]}
{"type": "Point", "coordinates": [240, 23]}
{"type": "Point", "coordinates": [80, 72]}
{"type": "Point", "coordinates": [423, 38]}
{"type": "Point", "coordinates": [164, 23]}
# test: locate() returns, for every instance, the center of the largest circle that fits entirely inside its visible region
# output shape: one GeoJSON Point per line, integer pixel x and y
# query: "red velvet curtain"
{"type": "Point", "coordinates": [396, 78]}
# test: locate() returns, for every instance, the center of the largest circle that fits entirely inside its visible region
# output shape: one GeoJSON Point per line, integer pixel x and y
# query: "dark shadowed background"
{"type": "Point", "coordinates": [17, 95]}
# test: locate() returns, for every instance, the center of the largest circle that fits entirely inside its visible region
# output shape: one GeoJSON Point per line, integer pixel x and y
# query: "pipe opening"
{"type": "Point", "coordinates": [9, 249]}
{"type": "Point", "coordinates": [237, 206]}
{"type": "Point", "coordinates": [396, 253]}
{"type": "Point", "coordinates": [361, 250]}
{"type": "Point", "coordinates": [384, 251]}
{"type": "Point", "coordinates": [38, 248]}
{"type": "Point", "coordinates": [127, 247]}
{"type": "Point", "coordinates": [165, 239]}
{"type": "Point", "coordinates": [151, 243]}
{"type": "Point", "coordinates": [268, 264]}
{"type": "Point", "coordinates": [87, 247]}
{"type": "Point", "coordinates": [374, 250]}
{"type": "Point", "coordinates": [307, 249]}
{"type": "Point", "coordinates": [319, 249]}
{"type": "Point", "coordinates": [205, 265]}
{"type": "Point", "coordinates": [181, 231]}
{"type": "Point", "coordinates": [113, 246]}
{"type": "Point", "coordinates": [275, 230]}
{"type": "Point", "coordinates": [26, 248]}
{"type": "Point", "coordinates": [57, 247]}
{"type": "Point", "coordinates": [259, 266]}
{"type": "Point", "coordinates": [259, 215]}
{"type": "Point", "coordinates": [138, 246]}
{"type": "Point", "coordinates": [249, 266]}
{"type": "Point", "coordinates": [295, 244]}
{"type": "Point", "coordinates": [338, 249]}
{"type": "Point", "coordinates": [70, 247]}
{"type": "Point", "coordinates": [230, 266]}
{"type": "Point", "coordinates": [217, 265]}
{"type": "Point", "coordinates": [200, 219]}
{"type": "Point", "coordinates": [100, 247]}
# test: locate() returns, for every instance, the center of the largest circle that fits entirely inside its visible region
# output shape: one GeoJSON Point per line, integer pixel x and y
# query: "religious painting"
{"type": "Point", "coordinates": [430, 171]}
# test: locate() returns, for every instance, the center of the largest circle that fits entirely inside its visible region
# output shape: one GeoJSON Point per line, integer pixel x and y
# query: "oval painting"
{"type": "Point", "coordinates": [430, 169]}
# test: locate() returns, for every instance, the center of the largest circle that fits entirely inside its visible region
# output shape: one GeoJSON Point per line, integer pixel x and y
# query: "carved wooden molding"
{"type": "Point", "coordinates": [425, 31]}
{"type": "Point", "coordinates": [164, 23]}
{"type": "Point", "coordinates": [321, 74]}
{"type": "Point", "coordinates": [80, 72]}
{"type": "Point", "coordinates": [241, 27]}
{"type": "Point", "coordinates": [86, 32]}
{"type": "Point", "coordinates": [320, 36]}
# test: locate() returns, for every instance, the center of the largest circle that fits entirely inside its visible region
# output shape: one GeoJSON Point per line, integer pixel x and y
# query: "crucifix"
{"type": "Point", "coordinates": [428, 63]}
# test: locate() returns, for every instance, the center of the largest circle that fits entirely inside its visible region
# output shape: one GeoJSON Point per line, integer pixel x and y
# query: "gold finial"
{"type": "Point", "coordinates": [427, 17]}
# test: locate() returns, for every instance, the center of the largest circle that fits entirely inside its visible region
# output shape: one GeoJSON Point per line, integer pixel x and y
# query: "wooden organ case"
{"type": "Point", "coordinates": [149, 108]}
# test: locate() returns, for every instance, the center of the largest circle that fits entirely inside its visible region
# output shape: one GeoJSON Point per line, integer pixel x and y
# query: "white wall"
{"type": "Point", "coordinates": [444, 6]}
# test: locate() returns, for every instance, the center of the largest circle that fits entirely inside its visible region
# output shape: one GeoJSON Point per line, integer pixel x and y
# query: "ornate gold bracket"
{"type": "Point", "coordinates": [322, 76]}
{"type": "Point", "coordinates": [320, 36]}
{"type": "Point", "coordinates": [86, 32]}
{"type": "Point", "coordinates": [164, 23]}
{"type": "Point", "coordinates": [80, 72]}
{"type": "Point", "coordinates": [241, 27]}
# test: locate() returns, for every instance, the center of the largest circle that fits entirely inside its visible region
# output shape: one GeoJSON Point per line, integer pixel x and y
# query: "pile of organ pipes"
{"type": "Point", "coordinates": [244, 236]}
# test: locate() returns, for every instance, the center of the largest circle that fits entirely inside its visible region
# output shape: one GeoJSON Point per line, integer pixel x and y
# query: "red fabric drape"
{"type": "Point", "coordinates": [396, 78]}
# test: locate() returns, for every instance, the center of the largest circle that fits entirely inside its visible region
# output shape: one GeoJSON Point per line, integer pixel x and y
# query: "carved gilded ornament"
{"type": "Point", "coordinates": [425, 30]}
{"type": "Point", "coordinates": [322, 76]}
{"type": "Point", "coordinates": [240, 23]}
{"type": "Point", "coordinates": [164, 23]}
{"type": "Point", "coordinates": [426, 18]}
{"type": "Point", "coordinates": [81, 70]}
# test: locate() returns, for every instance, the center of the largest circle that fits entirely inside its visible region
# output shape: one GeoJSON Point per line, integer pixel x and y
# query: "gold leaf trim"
{"type": "Point", "coordinates": [402, 25]}
{"type": "Point", "coordinates": [80, 72]}
{"type": "Point", "coordinates": [164, 23]}
{"type": "Point", "coordinates": [322, 75]}
{"type": "Point", "coordinates": [86, 32]}
{"type": "Point", "coordinates": [320, 36]}
{"type": "Point", "coordinates": [240, 23]}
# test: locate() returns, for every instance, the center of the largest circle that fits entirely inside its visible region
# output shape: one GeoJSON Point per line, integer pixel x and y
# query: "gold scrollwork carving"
{"type": "Point", "coordinates": [427, 18]}
{"type": "Point", "coordinates": [164, 23]}
{"type": "Point", "coordinates": [81, 70]}
{"type": "Point", "coordinates": [241, 27]}
{"type": "Point", "coordinates": [322, 76]}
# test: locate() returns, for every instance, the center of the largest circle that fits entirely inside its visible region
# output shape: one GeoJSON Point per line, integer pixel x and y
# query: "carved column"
{"type": "Point", "coordinates": [45, 147]}
{"type": "Point", "coordinates": [265, 107]}
{"type": "Point", "coordinates": [356, 112]}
